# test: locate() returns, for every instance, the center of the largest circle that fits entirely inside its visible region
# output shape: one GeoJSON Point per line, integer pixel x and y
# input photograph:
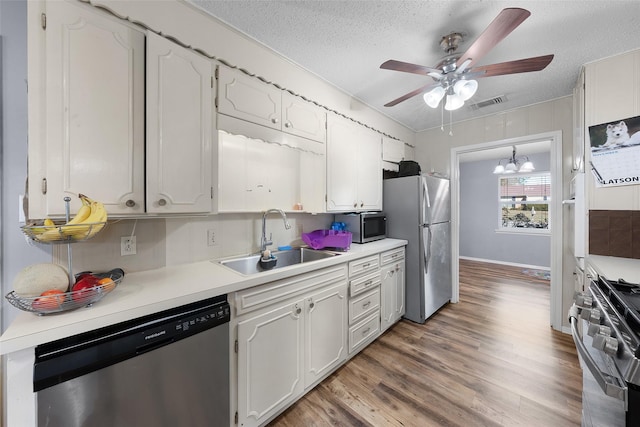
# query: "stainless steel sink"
{"type": "Point", "coordinates": [251, 264]}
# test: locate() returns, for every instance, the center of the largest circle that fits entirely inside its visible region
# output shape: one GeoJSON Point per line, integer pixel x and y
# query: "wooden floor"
{"type": "Point", "coordinates": [490, 360]}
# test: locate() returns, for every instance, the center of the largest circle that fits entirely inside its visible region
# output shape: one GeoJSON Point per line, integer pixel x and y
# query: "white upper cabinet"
{"type": "Point", "coordinates": [95, 83]}
{"type": "Point", "coordinates": [302, 118]}
{"type": "Point", "coordinates": [93, 118]}
{"type": "Point", "coordinates": [392, 150]}
{"type": "Point", "coordinates": [179, 116]}
{"type": "Point", "coordinates": [247, 98]}
{"type": "Point", "coordinates": [354, 166]}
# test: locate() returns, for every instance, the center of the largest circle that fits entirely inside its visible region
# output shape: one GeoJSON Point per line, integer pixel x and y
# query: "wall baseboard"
{"type": "Point", "coordinates": [513, 264]}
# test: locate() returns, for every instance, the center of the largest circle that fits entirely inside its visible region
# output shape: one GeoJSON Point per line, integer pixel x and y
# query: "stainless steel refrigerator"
{"type": "Point", "coordinates": [418, 210]}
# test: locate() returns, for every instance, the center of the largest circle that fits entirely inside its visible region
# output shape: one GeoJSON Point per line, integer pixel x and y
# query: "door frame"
{"type": "Point", "coordinates": [555, 169]}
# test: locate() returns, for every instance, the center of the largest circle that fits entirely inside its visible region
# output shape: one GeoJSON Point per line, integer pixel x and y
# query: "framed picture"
{"type": "Point", "coordinates": [615, 152]}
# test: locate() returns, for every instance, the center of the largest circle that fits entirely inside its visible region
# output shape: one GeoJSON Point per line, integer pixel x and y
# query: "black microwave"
{"type": "Point", "coordinates": [364, 226]}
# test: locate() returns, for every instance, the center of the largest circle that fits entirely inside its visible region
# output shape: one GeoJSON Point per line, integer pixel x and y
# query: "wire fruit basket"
{"type": "Point", "coordinates": [66, 301]}
{"type": "Point", "coordinates": [65, 233]}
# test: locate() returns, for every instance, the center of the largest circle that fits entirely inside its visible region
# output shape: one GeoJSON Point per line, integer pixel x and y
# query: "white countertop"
{"type": "Point", "coordinates": [614, 268]}
{"type": "Point", "coordinates": [152, 291]}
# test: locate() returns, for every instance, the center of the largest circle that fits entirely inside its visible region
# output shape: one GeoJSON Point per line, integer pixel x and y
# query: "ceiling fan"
{"type": "Point", "coordinates": [455, 74]}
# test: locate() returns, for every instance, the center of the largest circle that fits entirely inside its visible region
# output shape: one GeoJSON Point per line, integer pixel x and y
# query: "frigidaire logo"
{"type": "Point", "coordinates": [156, 335]}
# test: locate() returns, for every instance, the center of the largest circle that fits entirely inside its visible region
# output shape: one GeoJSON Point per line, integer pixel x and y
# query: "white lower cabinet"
{"type": "Point", "coordinates": [325, 332]}
{"type": "Point", "coordinates": [292, 333]}
{"type": "Point", "coordinates": [296, 335]}
{"type": "Point", "coordinates": [392, 288]}
{"type": "Point", "coordinates": [270, 362]}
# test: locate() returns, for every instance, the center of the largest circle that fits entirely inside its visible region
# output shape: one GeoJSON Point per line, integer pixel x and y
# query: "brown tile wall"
{"type": "Point", "coordinates": [614, 233]}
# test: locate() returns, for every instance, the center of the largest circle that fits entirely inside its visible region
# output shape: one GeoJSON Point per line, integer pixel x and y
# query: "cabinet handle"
{"type": "Point", "coordinates": [162, 202]}
{"type": "Point", "coordinates": [311, 303]}
{"type": "Point", "coordinates": [368, 283]}
{"type": "Point", "coordinates": [361, 204]}
{"type": "Point", "coordinates": [365, 331]}
{"type": "Point", "coordinates": [287, 124]}
{"type": "Point", "coordinates": [274, 120]}
{"type": "Point", "coordinates": [366, 265]}
{"type": "Point", "coordinates": [366, 304]}
{"type": "Point", "coordinates": [355, 205]}
{"type": "Point", "coordinates": [130, 203]}
{"type": "Point", "coordinates": [298, 310]}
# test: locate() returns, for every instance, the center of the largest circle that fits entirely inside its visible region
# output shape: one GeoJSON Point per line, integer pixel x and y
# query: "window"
{"type": "Point", "coordinates": [523, 202]}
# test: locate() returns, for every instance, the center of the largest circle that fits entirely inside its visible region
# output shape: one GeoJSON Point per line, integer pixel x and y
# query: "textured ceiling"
{"type": "Point", "coordinates": [345, 42]}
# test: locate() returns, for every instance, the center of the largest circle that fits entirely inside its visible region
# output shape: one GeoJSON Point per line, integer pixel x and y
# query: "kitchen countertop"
{"type": "Point", "coordinates": [149, 292]}
{"type": "Point", "coordinates": [614, 268]}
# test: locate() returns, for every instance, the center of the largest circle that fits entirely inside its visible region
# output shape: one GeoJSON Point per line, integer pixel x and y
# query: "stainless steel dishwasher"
{"type": "Point", "coordinates": [165, 369]}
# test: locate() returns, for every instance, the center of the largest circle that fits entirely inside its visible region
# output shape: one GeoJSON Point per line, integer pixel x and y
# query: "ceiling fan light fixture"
{"type": "Point", "coordinates": [434, 96]}
{"type": "Point", "coordinates": [465, 88]}
{"type": "Point", "coordinates": [453, 102]}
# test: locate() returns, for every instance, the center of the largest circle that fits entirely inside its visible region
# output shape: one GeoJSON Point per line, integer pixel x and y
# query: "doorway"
{"type": "Point", "coordinates": [555, 208]}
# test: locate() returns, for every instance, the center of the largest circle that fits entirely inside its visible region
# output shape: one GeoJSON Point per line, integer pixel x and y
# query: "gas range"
{"type": "Point", "coordinates": [609, 312]}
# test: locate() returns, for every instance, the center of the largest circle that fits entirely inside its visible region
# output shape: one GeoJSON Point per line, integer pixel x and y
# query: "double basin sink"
{"type": "Point", "coordinates": [252, 264]}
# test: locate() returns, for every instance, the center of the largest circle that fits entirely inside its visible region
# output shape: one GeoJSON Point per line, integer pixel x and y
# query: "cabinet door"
{"type": "Point", "coordinates": [342, 160]}
{"type": "Point", "coordinates": [94, 110]}
{"type": "Point", "coordinates": [325, 332]}
{"type": "Point", "coordinates": [392, 150]}
{"type": "Point", "coordinates": [179, 116]}
{"type": "Point", "coordinates": [247, 98]}
{"type": "Point", "coordinates": [392, 294]}
{"type": "Point", "coordinates": [369, 170]}
{"type": "Point", "coordinates": [302, 118]}
{"type": "Point", "coordinates": [270, 362]}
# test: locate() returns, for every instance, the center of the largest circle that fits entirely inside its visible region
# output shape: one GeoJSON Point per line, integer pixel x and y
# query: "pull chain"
{"type": "Point", "coordinates": [450, 124]}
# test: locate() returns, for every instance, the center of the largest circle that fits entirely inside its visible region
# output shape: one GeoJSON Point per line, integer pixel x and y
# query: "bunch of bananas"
{"type": "Point", "coordinates": [88, 221]}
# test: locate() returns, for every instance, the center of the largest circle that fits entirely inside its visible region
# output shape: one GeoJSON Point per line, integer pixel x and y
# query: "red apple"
{"type": "Point", "coordinates": [84, 288]}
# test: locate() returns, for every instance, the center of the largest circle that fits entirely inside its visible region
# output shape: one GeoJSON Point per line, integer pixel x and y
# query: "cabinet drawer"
{"type": "Point", "coordinates": [364, 332]}
{"type": "Point", "coordinates": [391, 256]}
{"type": "Point", "coordinates": [364, 283]}
{"type": "Point", "coordinates": [363, 265]}
{"type": "Point", "coordinates": [363, 305]}
{"type": "Point", "coordinates": [261, 296]}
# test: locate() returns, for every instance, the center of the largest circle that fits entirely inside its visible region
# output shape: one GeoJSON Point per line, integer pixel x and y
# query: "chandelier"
{"type": "Point", "coordinates": [514, 164]}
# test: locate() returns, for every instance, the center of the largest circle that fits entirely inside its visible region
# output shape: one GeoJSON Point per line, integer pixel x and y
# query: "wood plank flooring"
{"type": "Point", "coordinates": [490, 360]}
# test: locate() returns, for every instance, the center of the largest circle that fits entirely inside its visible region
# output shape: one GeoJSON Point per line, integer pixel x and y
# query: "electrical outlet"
{"type": "Point", "coordinates": [211, 237]}
{"type": "Point", "coordinates": [127, 245]}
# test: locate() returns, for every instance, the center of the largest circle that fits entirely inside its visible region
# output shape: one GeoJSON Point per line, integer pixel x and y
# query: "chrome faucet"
{"type": "Point", "coordinates": [263, 240]}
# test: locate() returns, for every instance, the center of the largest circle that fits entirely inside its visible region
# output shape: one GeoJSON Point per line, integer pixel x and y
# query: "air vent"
{"type": "Point", "coordinates": [497, 100]}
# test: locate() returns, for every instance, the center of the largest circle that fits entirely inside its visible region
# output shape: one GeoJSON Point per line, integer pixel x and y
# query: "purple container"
{"type": "Point", "coordinates": [320, 239]}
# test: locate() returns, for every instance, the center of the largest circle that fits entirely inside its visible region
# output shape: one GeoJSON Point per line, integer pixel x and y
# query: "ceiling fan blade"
{"type": "Point", "coordinates": [409, 68]}
{"type": "Point", "coordinates": [411, 94]}
{"type": "Point", "coordinates": [506, 21]}
{"type": "Point", "coordinates": [513, 67]}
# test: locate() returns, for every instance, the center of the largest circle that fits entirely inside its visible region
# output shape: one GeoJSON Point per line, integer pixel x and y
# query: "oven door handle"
{"type": "Point", "coordinates": [610, 385]}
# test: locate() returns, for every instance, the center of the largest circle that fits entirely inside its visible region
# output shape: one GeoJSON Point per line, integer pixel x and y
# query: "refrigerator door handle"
{"type": "Point", "coordinates": [426, 203]}
{"type": "Point", "coordinates": [427, 249]}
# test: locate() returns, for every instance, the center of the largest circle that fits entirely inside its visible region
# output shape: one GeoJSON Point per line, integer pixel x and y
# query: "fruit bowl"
{"type": "Point", "coordinates": [64, 233]}
{"type": "Point", "coordinates": [66, 301]}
